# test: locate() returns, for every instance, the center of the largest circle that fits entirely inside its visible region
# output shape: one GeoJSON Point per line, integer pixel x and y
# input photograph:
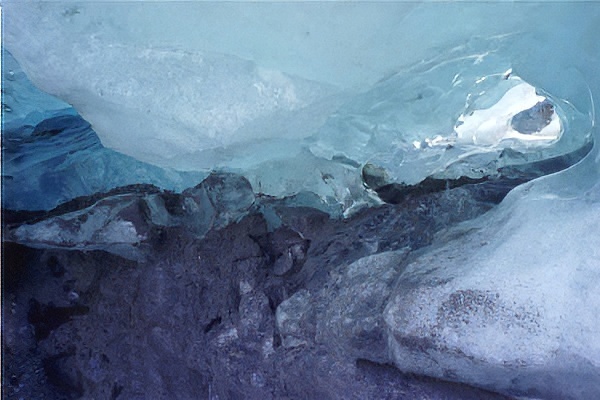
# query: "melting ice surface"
{"type": "Point", "coordinates": [462, 114]}
{"type": "Point", "coordinates": [166, 100]}
{"type": "Point", "coordinates": [303, 96]}
{"type": "Point", "coordinates": [51, 155]}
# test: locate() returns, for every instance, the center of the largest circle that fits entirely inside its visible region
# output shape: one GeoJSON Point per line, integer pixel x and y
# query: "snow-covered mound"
{"type": "Point", "coordinates": [511, 305]}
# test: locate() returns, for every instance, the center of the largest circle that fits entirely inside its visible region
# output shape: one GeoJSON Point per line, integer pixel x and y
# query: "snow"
{"type": "Point", "coordinates": [512, 302]}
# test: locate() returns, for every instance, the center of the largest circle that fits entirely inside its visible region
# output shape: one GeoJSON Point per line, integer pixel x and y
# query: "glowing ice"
{"type": "Point", "coordinates": [492, 125]}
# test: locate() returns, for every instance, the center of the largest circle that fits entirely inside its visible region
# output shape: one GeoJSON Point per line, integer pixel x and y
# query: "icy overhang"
{"type": "Point", "coordinates": [292, 95]}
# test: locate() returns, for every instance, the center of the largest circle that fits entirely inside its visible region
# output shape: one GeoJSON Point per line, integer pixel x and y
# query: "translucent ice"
{"type": "Point", "coordinates": [51, 155]}
{"type": "Point", "coordinates": [164, 103]}
{"type": "Point", "coordinates": [24, 105]}
{"type": "Point", "coordinates": [465, 113]}
{"type": "Point", "coordinates": [248, 86]}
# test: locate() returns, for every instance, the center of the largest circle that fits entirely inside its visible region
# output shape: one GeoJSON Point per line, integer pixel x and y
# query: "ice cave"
{"type": "Point", "coordinates": [300, 200]}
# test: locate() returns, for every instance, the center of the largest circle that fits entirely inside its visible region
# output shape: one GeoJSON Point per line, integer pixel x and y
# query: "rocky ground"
{"type": "Point", "coordinates": [273, 300]}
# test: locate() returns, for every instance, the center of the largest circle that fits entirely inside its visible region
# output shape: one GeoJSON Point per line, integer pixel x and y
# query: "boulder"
{"type": "Point", "coordinates": [502, 306]}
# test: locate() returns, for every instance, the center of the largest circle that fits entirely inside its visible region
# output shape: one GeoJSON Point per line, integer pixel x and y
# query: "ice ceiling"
{"type": "Point", "coordinates": [300, 96]}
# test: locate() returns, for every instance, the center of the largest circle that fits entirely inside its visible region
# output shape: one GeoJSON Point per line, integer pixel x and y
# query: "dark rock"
{"type": "Point", "coordinates": [14, 264]}
{"type": "Point", "coordinates": [352, 305]}
{"type": "Point", "coordinates": [374, 177]}
{"type": "Point", "coordinates": [246, 309]}
{"type": "Point", "coordinates": [534, 119]}
{"type": "Point", "coordinates": [61, 372]}
{"type": "Point", "coordinates": [47, 317]}
{"type": "Point", "coordinates": [396, 193]}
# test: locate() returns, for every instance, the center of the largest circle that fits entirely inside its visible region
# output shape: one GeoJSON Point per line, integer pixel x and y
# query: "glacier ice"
{"type": "Point", "coordinates": [23, 105]}
{"type": "Point", "coordinates": [164, 103]}
{"type": "Point", "coordinates": [463, 114]}
{"type": "Point", "coordinates": [177, 99]}
{"type": "Point", "coordinates": [51, 155]}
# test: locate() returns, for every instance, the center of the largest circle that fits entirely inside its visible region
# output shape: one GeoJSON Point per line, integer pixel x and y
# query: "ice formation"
{"type": "Point", "coordinates": [51, 155]}
{"type": "Point", "coordinates": [183, 102]}
{"type": "Point", "coordinates": [512, 303]}
{"type": "Point", "coordinates": [464, 113]}
{"type": "Point", "coordinates": [164, 103]}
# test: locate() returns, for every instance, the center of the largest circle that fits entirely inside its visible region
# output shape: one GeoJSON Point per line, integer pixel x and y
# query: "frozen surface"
{"type": "Point", "coordinates": [24, 105]}
{"type": "Point", "coordinates": [248, 86]}
{"type": "Point", "coordinates": [163, 102]}
{"type": "Point", "coordinates": [465, 113]}
{"type": "Point", "coordinates": [51, 155]}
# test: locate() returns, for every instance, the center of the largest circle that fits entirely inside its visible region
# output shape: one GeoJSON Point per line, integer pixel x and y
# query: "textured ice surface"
{"type": "Point", "coordinates": [248, 87]}
{"type": "Point", "coordinates": [51, 155]}
{"type": "Point", "coordinates": [464, 113]}
{"type": "Point", "coordinates": [163, 103]}
{"type": "Point", "coordinates": [511, 305]}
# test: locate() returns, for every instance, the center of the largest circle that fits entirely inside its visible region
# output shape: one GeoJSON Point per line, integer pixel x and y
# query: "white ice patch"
{"type": "Point", "coordinates": [119, 231]}
{"type": "Point", "coordinates": [492, 125]}
{"type": "Point", "coordinates": [94, 227]}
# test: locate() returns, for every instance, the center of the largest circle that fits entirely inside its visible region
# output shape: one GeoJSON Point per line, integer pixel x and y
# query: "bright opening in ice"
{"type": "Point", "coordinates": [463, 114]}
{"type": "Point", "coordinates": [521, 114]}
